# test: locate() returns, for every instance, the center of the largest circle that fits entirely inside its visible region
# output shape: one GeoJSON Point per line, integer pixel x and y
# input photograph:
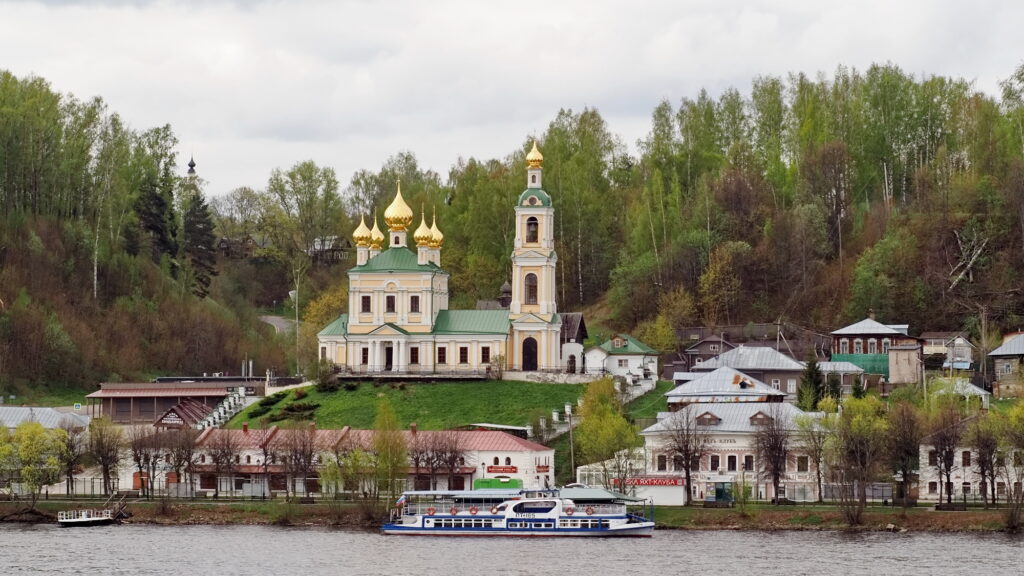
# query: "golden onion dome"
{"type": "Point", "coordinates": [534, 159]}
{"type": "Point", "coordinates": [436, 238]}
{"type": "Point", "coordinates": [376, 236]}
{"type": "Point", "coordinates": [362, 234]}
{"type": "Point", "coordinates": [398, 216]}
{"type": "Point", "coordinates": [423, 235]}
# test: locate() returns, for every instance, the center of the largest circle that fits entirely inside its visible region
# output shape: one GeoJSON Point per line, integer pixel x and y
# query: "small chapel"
{"type": "Point", "coordinates": [398, 320]}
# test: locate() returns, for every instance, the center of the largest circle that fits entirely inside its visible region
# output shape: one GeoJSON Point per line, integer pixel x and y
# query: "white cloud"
{"type": "Point", "coordinates": [250, 86]}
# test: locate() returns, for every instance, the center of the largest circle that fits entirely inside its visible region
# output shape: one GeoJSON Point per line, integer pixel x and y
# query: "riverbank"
{"type": "Point", "coordinates": [352, 516]}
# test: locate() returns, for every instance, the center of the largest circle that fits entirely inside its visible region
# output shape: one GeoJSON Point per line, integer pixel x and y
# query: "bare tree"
{"type": "Point", "coordinates": [269, 452]}
{"type": "Point", "coordinates": [904, 444]}
{"type": "Point", "coordinates": [144, 447]}
{"type": "Point", "coordinates": [298, 448]}
{"type": "Point", "coordinates": [224, 452]}
{"type": "Point", "coordinates": [688, 440]}
{"type": "Point", "coordinates": [1012, 440]}
{"type": "Point", "coordinates": [983, 436]}
{"type": "Point", "coordinates": [75, 448]}
{"type": "Point", "coordinates": [812, 436]}
{"type": "Point", "coordinates": [182, 447]}
{"type": "Point", "coordinates": [452, 453]}
{"type": "Point", "coordinates": [946, 433]}
{"type": "Point", "coordinates": [105, 444]}
{"type": "Point", "coordinates": [420, 453]}
{"type": "Point", "coordinates": [771, 442]}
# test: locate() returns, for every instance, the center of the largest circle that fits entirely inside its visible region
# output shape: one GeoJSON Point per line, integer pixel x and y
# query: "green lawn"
{"type": "Point", "coordinates": [47, 397]}
{"type": "Point", "coordinates": [433, 406]}
{"type": "Point", "coordinates": [648, 405]}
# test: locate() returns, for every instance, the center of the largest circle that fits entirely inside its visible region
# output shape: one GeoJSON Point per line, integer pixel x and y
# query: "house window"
{"type": "Point", "coordinates": [715, 462]}
{"type": "Point", "coordinates": [463, 354]}
{"type": "Point", "coordinates": [730, 462]}
{"type": "Point", "coordinates": [1000, 489]}
{"type": "Point", "coordinates": [858, 346]}
{"type": "Point", "coordinates": [966, 487]}
{"type": "Point", "coordinates": [485, 354]}
{"type": "Point", "coordinates": [885, 345]}
{"type": "Point", "coordinates": [366, 357]}
{"type": "Point", "coordinates": [791, 386]}
{"type": "Point", "coordinates": [966, 459]}
{"type": "Point", "coordinates": [623, 363]}
{"type": "Point", "coordinates": [496, 461]}
{"type": "Point", "coordinates": [414, 355]}
{"type": "Point", "coordinates": [389, 304]}
{"type": "Point", "coordinates": [748, 462]}
{"type": "Point", "coordinates": [933, 458]}
{"type": "Point", "coordinates": [662, 463]}
{"type": "Point", "coordinates": [414, 304]}
{"type": "Point", "coordinates": [508, 461]}
{"type": "Point", "coordinates": [844, 346]}
{"type": "Point", "coordinates": [695, 463]}
{"type": "Point", "coordinates": [713, 347]}
{"type": "Point", "coordinates": [872, 346]}
{"type": "Point", "coordinates": [365, 304]}
{"type": "Point", "coordinates": [442, 357]}
{"type": "Point", "coordinates": [677, 463]}
{"type": "Point", "coordinates": [1007, 369]}
{"type": "Point", "coordinates": [776, 383]}
{"type": "Point", "coordinates": [802, 463]}
{"type": "Point", "coordinates": [933, 487]}
{"type": "Point", "coordinates": [531, 229]}
{"type": "Point", "coordinates": [531, 288]}
{"type": "Point", "coordinates": [248, 459]}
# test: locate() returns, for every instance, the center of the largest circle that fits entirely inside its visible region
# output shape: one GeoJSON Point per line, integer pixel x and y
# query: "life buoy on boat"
{"type": "Point", "coordinates": [590, 510]}
{"type": "Point", "coordinates": [570, 511]}
{"type": "Point", "coordinates": [453, 511]}
{"type": "Point", "coordinates": [494, 510]}
{"type": "Point", "coordinates": [431, 511]}
{"type": "Point", "coordinates": [473, 510]}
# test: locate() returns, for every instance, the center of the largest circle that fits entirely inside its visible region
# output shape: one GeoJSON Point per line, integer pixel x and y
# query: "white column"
{"type": "Point", "coordinates": [399, 356]}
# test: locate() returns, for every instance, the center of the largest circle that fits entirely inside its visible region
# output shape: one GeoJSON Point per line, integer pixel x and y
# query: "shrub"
{"type": "Point", "coordinates": [273, 399]}
{"type": "Point", "coordinates": [258, 411]}
{"type": "Point", "coordinates": [300, 393]}
{"type": "Point", "coordinates": [352, 386]}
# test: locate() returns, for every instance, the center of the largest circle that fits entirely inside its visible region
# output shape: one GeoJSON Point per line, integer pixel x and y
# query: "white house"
{"type": "Point", "coordinates": [625, 356]}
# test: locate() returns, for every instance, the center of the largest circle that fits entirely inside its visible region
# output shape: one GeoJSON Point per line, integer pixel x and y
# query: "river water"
{"type": "Point", "coordinates": [254, 550]}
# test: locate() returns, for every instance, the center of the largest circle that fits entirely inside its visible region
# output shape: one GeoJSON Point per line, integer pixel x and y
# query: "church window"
{"type": "Point", "coordinates": [531, 288]}
{"type": "Point", "coordinates": [463, 354]}
{"type": "Point", "coordinates": [389, 304]}
{"type": "Point", "coordinates": [531, 229]}
{"type": "Point", "coordinates": [323, 352]}
{"type": "Point", "coordinates": [485, 355]}
{"type": "Point", "coordinates": [414, 355]}
{"type": "Point", "coordinates": [414, 304]}
{"type": "Point", "coordinates": [533, 178]}
{"type": "Point", "coordinates": [442, 355]}
{"type": "Point", "coordinates": [365, 304]}
{"type": "Point", "coordinates": [365, 357]}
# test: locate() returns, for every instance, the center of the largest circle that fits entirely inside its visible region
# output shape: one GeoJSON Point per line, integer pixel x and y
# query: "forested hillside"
{"type": "Point", "coordinates": [106, 252]}
{"type": "Point", "coordinates": [811, 199]}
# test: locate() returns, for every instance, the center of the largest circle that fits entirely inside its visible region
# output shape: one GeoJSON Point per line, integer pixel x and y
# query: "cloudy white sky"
{"type": "Point", "coordinates": [250, 86]}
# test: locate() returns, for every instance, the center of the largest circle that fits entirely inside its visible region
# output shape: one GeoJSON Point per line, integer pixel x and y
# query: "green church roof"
{"type": "Point", "coordinates": [472, 322]}
{"type": "Point", "coordinates": [337, 328]}
{"type": "Point", "coordinates": [542, 197]}
{"type": "Point", "coordinates": [396, 259]}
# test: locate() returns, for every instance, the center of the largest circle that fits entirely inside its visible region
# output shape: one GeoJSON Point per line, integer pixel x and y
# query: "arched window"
{"type": "Point", "coordinates": [531, 229]}
{"type": "Point", "coordinates": [496, 461]}
{"type": "Point", "coordinates": [508, 461]}
{"type": "Point", "coordinates": [531, 288]}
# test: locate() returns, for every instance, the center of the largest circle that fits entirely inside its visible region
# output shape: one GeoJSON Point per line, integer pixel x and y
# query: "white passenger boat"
{"type": "Point", "coordinates": [520, 513]}
{"type": "Point", "coordinates": [86, 517]}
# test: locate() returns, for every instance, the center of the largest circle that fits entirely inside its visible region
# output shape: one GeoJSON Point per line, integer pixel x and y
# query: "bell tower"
{"type": "Point", "coordinates": [534, 258]}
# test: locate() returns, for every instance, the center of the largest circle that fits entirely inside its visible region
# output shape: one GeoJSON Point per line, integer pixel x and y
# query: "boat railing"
{"type": "Point", "coordinates": [463, 507]}
{"type": "Point", "coordinates": [86, 514]}
{"type": "Point", "coordinates": [582, 508]}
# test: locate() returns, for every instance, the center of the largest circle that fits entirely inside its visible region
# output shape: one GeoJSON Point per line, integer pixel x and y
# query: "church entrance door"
{"type": "Point", "coordinates": [389, 358]}
{"type": "Point", "coordinates": [529, 355]}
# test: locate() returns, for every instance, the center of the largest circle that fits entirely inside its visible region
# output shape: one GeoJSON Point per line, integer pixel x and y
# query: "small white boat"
{"type": "Point", "coordinates": [528, 513]}
{"type": "Point", "coordinates": [86, 517]}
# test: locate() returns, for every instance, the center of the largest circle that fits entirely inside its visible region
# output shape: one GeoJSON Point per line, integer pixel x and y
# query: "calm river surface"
{"type": "Point", "coordinates": [253, 550]}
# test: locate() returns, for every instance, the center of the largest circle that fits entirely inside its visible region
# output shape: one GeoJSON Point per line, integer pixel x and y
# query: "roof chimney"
{"type": "Point", "coordinates": [871, 313]}
{"type": "Point", "coordinates": [245, 427]}
{"type": "Point", "coordinates": [412, 428]}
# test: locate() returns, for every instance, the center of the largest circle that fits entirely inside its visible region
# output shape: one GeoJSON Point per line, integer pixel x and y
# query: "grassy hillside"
{"type": "Point", "coordinates": [432, 406]}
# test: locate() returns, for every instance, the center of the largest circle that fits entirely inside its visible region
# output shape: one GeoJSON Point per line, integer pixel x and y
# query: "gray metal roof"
{"type": "Point", "coordinates": [869, 326]}
{"type": "Point", "coordinates": [735, 416]}
{"type": "Point", "coordinates": [751, 358]}
{"type": "Point", "coordinates": [687, 375]}
{"type": "Point", "coordinates": [724, 384]}
{"type": "Point", "coordinates": [840, 368]}
{"type": "Point", "coordinates": [963, 387]}
{"type": "Point", "coordinates": [11, 416]}
{"type": "Point", "coordinates": [1012, 347]}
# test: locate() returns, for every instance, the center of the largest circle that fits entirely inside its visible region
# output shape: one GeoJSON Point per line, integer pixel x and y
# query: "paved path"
{"type": "Point", "coordinates": [280, 323]}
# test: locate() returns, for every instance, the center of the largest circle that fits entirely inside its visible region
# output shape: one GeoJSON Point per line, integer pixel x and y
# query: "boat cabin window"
{"type": "Point", "coordinates": [534, 507]}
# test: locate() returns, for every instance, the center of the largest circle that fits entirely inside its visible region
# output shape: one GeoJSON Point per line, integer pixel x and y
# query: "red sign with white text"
{"type": "Point", "coordinates": [654, 481]}
{"type": "Point", "coordinates": [502, 469]}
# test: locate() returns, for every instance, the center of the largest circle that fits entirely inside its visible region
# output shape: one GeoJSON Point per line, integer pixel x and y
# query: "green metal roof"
{"type": "Point", "coordinates": [396, 259]}
{"type": "Point", "coordinates": [632, 346]}
{"type": "Point", "coordinates": [472, 322]}
{"type": "Point", "coordinates": [542, 197]}
{"type": "Point", "coordinates": [337, 328]}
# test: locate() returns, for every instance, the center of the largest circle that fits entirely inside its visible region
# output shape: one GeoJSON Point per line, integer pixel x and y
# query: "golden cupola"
{"type": "Point", "coordinates": [376, 236]}
{"type": "Point", "coordinates": [423, 234]}
{"type": "Point", "coordinates": [436, 238]}
{"type": "Point", "coordinates": [398, 216]}
{"type": "Point", "coordinates": [534, 159]}
{"type": "Point", "coordinates": [361, 236]}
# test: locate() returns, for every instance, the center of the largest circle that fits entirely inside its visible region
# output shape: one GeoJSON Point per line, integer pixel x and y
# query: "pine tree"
{"type": "Point", "coordinates": [200, 244]}
{"type": "Point", "coordinates": [154, 215]}
{"type": "Point", "coordinates": [812, 386]}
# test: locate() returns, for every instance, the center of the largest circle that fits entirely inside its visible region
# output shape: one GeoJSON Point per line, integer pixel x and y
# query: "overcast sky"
{"type": "Point", "coordinates": [251, 86]}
